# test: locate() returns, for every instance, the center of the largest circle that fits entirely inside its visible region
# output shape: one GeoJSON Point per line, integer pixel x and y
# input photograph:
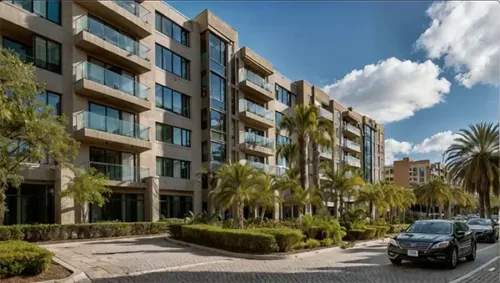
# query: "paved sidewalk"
{"type": "Point", "coordinates": [490, 274]}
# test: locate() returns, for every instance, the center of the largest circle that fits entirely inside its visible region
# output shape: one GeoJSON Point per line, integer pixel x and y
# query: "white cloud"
{"type": "Point", "coordinates": [391, 90]}
{"type": "Point", "coordinates": [467, 36]}
{"type": "Point", "coordinates": [437, 143]}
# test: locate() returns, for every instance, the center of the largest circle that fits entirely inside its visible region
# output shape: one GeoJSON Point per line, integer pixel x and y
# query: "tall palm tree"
{"type": "Point", "coordinates": [236, 186]}
{"type": "Point", "coordinates": [322, 136]}
{"type": "Point", "coordinates": [373, 195]}
{"type": "Point", "coordinates": [459, 197]}
{"type": "Point", "coordinates": [266, 195]}
{"type": "Point", "coordinates": [392, 196]}
{"type": "Point", "coordinates": [301, 123]}
{"type": "Point", "coordinates": [408, 199]}
{"type": "Point", "coordinates": [473, 161]}
{"type": "Point", "coordinates": [303, 198]}
{"type": "Point", "coordinates": [288, 151]}
{"type": "Point", "coordinates": [435, 192]}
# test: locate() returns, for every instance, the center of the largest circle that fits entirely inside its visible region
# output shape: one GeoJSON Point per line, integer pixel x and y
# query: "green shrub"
{"type": "Point", "coordinates": [316, 227]}
{"type": "Point", "coordinates": [11, 233]}
{"type": "Point", "coordinates": [171, 221]}
{"type": "Point", "coordinates": [22, 258]}
{"type": "Point", "coordinates": [355, 234]}
{"type": "Point", "coordinates": [312, 243]}
{"type": "Point", "coordinates": [381, 230]}
{"type": "Point", "coordinates": [369, 233]}
{"type": "Point", "coordinates": [242, 241]}
{"type": "Point", "coordinates": [158, 227]}
{"type": "Point", "coordinates": [326, 242]}
{"type": "Point", "coordinates": [286, 238]}
{"type": "Point", "coordinates": [175, 230]}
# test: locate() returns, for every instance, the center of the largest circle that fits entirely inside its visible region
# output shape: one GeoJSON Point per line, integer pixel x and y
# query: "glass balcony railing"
{"type": "Point", "coordinates": [111, 125]}
{"type": "Point", "coordinates": [325, 113]}
{"type": "Point", "coordinates": [261, 166]}
{"type": "Point", "coordinates": [118, 172]}
{"type": "Point", "coordinates": [98, 74]}
{"type": "Point", "coordinates": [352, 161]}
{"type": "Point", "coordinates": [134, 8]}
{"type": "Point", "coordinates": [352, 129]}
{"type": "Point", "coordinates": [215, 165]}
{"type": "Point", "coordinates": [256, 140]}
{"type": "Point", "coordinates": [247, 75]}
{"type": "Point", "coordinates": [258, 110]}
{"type": "Point", "coordinates": [112, 36]}
{"type": "Point", "coordinates": [352, 145]}
{"type": "Point", "coordinates": [281, 171]}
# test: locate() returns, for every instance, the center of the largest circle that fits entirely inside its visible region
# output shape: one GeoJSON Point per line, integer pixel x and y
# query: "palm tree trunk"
{"type": "Point", "coordinates": [481, 204]}
{"type": "Point", "coordinates": [315, 164]}
{"type": "Point", "coordinates": [487, 204]}
{"type": "Point", "coordinates": [262, 213]}
{"type": "Point", "coordinates": [335, 206]}
{"type": "Point", "coordinates": [372, 212]}
{"type": "Point", "coordinates": [241, 221]}
{"type": "Point", "coordinates": [302, 161]}
{"type": "Point", "coordinates": [341, 206]}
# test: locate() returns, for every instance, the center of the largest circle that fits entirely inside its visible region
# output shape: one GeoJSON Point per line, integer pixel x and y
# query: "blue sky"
{"type": "Point", "coordinates": [322, 42]}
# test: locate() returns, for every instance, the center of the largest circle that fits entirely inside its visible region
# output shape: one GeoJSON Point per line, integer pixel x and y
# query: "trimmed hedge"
{"type": "Point", "coordinates": [22, 258]}
{"type": "Point", "coordinates": [381, 230]}
{"type": "Point", "coordinates": [57, 232]}
{"type": "Point", "coordinates": [286, 238]}
{"type": "Point", "coordinates": [369, 233]}
{"type": "Point", "coordinates": [355, 234]}
{"type": "Point", "coordinates": [175, 230]}
{"type": "Point", "coordinates": [241, 241]}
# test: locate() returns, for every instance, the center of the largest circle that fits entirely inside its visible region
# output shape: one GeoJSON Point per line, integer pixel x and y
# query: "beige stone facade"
{"type": "Point", "coordinates": [153, 96]}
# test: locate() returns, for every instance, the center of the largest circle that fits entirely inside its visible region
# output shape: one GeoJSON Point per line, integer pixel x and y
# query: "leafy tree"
{"type": "Point", "coordinates": [29, 130]}
{"type": "Point", "coordinates": [88, 187]}
{"type": "Point", "coordinates": [473, 161]}
{"type": "Point", "coordinates": [373, 195]}
{"type": "Point", "coordinates": [435, 192]}
{"type": "Point", "coordinates": [408, 199]}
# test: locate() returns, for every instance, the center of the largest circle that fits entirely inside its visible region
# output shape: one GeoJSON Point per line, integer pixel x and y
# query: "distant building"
{"type": "Point", "coordinates": [406, 171]}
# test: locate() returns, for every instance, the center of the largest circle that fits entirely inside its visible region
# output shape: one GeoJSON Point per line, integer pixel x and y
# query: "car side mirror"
{"type": "Point", "coordinates": [402, 230]}
{"type": "Point", "coordinates": [460, 233]}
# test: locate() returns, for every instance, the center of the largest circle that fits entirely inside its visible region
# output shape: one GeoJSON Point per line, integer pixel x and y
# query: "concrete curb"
{"type": "Point", "coordinates": [276, 256]}
{"type": "Point", "coordinates": [77, 276]}
{"type": "Point", "coordinates": [103, 239]}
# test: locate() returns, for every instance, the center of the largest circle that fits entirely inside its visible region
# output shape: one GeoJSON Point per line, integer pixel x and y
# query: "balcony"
{"type": "Point", "coordinates": [351, 146]}
{"type": "Point", "coordinates": [255, 144]}
{"type": "Point", "coordinates": [98, 38]}
{"type": "Point", "coordinates": [256, 115]}
{"type": "Point", "coordinates": [256, 86]}
{"type": "Point", "coordinates": [260, 166]}
{"type": "Point", "coordinates": [351, 130]}
{"type": "Point", "coordinates": [120, 134]}
{"type": "Point", "coordinates": [256, 62]}
{"type": "Point", "coordinates": [102, 84]}
{"type": "Point", "coordinates": [352, 161]}
{"type": "Point", "coordinates": [126, 14]}
{"type": "Point", "coordinates": [119, 174]}
{"type": "Point", "coordinates": [325, 114]}
{"type": "Point", "coordinates": [281, 171]}
{"type": "Point", "coordinates": [326, 153]}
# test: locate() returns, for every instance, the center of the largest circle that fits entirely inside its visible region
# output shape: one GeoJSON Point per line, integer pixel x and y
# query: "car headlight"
{"type": "Point", "coordinates": [441, 245]}
{"type": "Point", "coordinates": [394, 243]}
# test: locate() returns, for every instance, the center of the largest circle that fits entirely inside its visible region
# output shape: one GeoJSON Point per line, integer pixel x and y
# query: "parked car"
{"type": "Point", "coordinates": [460, 218]}
{"type": "Point", "coordinates": [444, 241]}
{"type": "Point", "coordinates": [495, 218]}
{"type": "Point", "coordinates": [485, 229]}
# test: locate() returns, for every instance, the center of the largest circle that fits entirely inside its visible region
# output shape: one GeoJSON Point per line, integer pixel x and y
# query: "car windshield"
{"type": "Point", "coordinates": [479, 221]}
{"type": "Point", "coordinates": [430, 227]}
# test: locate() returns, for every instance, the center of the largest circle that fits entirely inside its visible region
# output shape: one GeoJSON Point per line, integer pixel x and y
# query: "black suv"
{"type": "Point", "coordinates": [443, 241]}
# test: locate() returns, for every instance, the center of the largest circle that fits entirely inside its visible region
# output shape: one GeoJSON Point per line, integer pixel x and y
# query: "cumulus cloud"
{"type": "Point", "coordinates": [467, 36]}
{"type": "Point", "coordinates": [437, 143]}
{"type": "Point", "coordinates": [391, 90]}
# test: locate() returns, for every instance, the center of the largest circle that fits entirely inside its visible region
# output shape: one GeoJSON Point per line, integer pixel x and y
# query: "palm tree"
{"type": "Point", "coordinates": [473, 161]}
{"type": "Point", "coordinates": [434, 192]}
{"type": "Point", "coordinates": [303, 198]}
{"type": "Point", "coordinates": [392, 196]}
{"type": "Point", "coordinates": [408, 199]}
{"type": "Point", "coordinates": [459, 198]}
{"type": "Point", "coordinates": [289, 151]}
{"type": "Point", "coordinates": [266, 194]}
{"type": "Point", "coordinates": [373, 195]}
{"type": "Point", "coordinates": [236, 186]}
{"type": "Point", "coordinates": [322, 136]}
{"type": "Point", "coordinates": [301, 124]}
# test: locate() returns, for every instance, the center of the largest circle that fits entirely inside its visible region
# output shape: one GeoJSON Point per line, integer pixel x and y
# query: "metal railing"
{"type": "Point", "coordinates": [352, 161]}
{"type": "Point", "coordinates": [256, 140]}
{"type": "Point", "coordinates": [98, 74]}
{"type": "Point", "coordinates": [119, 172]}
{"type": "Point", "coordinates": [258, 110]}
{"type": "Point", "coordinates": [352, 129]}
{"type": "Point", "coordinates": [325, 113]}
{"type": "Point", "coordinates": [111, 125]}
{"type": "Point", "coordinates": [112, 36]}
{"type": "Point", "coordinates": [134, 8]}
{"type": "Point", "coordinates": [352, 145]}
{"type": "Point", "coordinates": [247, 75]}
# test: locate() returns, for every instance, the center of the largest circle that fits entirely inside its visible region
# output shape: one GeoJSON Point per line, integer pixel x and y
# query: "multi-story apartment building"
{"type": "Point", "coordinates": [406, 171]}
{"type": "Point", "coordinates": [153, 96]}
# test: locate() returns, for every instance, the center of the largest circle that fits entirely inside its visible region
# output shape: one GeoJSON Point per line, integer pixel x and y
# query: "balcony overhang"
{"type": "Point", "coordinates": [178, 184]}
{"type": "Point", "coordinates": [256, 91]}
{"type": "Point", "coordinates": [101, 92]}
{"type": "Point", "coordinates": [256, 62]}
{"type": "Point", "coordinates": [96, 45]}
{"type": "Point", "coordinates": [119, 142]}
{"type": "Point", "coordinates": [350, 116]}
{"type": "Point", "coordinates": [326, 155]}
{"type": "Point", "coordinates": [256, 120]}
{"type": "Point", "coordinates": [257, 150]}
{"type": "Point", "coordinates": [126, 184]}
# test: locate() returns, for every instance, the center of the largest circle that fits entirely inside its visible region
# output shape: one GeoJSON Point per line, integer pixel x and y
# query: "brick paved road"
{"type": "Point", "coordinates": [155, 260]}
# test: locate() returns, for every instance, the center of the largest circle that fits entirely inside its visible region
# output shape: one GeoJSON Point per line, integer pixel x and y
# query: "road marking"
{"type": "Point", "coordinates": [175, 267]}
{"type": "Point", "coordinates": [459, 279]}
{"type": "Point", "coordinates": [491, 269]}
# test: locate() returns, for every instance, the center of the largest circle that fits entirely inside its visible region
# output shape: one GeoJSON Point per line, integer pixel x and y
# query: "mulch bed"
{"type": "Point", "coordinates": [54, 272]}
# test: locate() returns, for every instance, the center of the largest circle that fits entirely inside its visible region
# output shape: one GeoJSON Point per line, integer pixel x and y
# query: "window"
{"type": "Point", "coordinates": [278, 118]}
{"type": "Point", "coordinates": [283, 95]}
{"type": "Point", "coordinates": [171, 29]}
{"type": "Point", "coordinates": [218, 125]}
{"type": "Point", "coordinates": [47, 54]}
{"type": "Point", "coordinates": [121, 207]}
{"type": "Point", "coordinates": [282, 140]}
{"type": "Point", "coordinates": [233, 101]}
{"type": "Point", "coordinates": [172, 100]}
{"type": "Point", "coordinates": [217, 92]}
{"type": "Point", "coordinates": [24, 52]}
{"type": "Point", "coordinates": [111, 120]}
{"type": "Point", "coordinates": [203, 84]}
{"type": "Point", "coordinates": [48, 9]}
{"type": "Point", "coordinates": [422, 172]}
{"type": "Point", "coordinates": [171, 62]}
{"type": "Point", "coordinates": [175, 206]}
{"type": "Point", "coordinates": [217, 55]}
{"type": "Point", "coordinates": [218, 152]}
{"type": "Point", "coordinates": [174, 168]}
{"type": "Point", "coordinates": [53, 100]}
{"type": "Point", "coordinates": [254, 158]}
{"type": "Point", "coordinates": [173, 135]}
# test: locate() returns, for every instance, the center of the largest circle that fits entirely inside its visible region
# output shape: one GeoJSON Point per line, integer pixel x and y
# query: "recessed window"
{"type": "Point", "coordinates": [53, 100]}
{"type": "Point", "coordinates": [47, 54]}
{"type": "Point", "coordinates": [171, 100]}
{"type": "Point", "coordinates": [48, 9]}
{"type": "Point", "coordinates": [174, 168]}
{"type": "Point", "coordinates": [171, 62]}
{"type": "Point", "coordinates": [173, 135]}
{"type": "Point", "coordinates": [171, 29]}
{"type": "Point", "coordinates": [284, 96]}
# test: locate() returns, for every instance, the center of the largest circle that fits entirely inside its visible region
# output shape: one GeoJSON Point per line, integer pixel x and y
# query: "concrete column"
{"type": "Point", "coordinates": [152, 199]}
{"type": "Point", "coordinates": [65, 208]}
{"type": "Point", "coordinates": [197, 201]}
{"type": "Point", "coordinates": [277, 208]}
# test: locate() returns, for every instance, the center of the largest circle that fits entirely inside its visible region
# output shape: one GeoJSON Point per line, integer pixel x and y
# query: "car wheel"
{"type": "Point", "coordinates": [396, 261]}
{"type": "Point", "coordinates": [453, 259]}
{"type": "Point", "coordinates": [473, 252]}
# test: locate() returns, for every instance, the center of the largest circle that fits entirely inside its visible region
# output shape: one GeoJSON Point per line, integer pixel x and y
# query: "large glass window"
{"type": "Point", "coordinates": [218, 152]}
{"type": "Point", "coordinates": [217, 121]}
{"type": "Point", "coordinates": [171, 29]}
{"type": "Point", "coordinates": [172, 100]}
{"type": "Point", "coordinates": [173, 135]}
{"type": "Point", "coordinates": [278, 118]}
{"type": "Point", "coordinates": [255, 158]}
{"type": "Point", "coordinates": [280, 140]}
{"type": "Point", "coordinates": [111, 120]}
{"type": "Point", "coordinates": [29, 204]}
{"type": "Point", "coordinates": [284, 96]}
{"type": "Point", "coordinates": [53, 100]}
{"type": "Point", "coordinates": [174, 168]}
{"type": "Point", "coordinates": [369, 149]}
{"type": "Point", "coordinates": [171, 62]}
{"type": "Point", "coordinates": [217, 92]}
{"type": "Point", "coordinates": [24, 52]}
{"type": "Point", "coordinates": [217, 55]}
{"type": "Point", "coordinates": [175, 206]}
{"type": "Point", "coordinates": [120, 207]}
{"type": "Point", "coordinates": [47, 54]}
{"type": "Point", "coordinates": [49, 9]}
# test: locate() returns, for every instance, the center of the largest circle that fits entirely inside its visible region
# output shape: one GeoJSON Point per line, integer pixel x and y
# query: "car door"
{"type": "Point", "coordinates": [461, 241]}
{"type": "Point", "coordinates": [466, 241]}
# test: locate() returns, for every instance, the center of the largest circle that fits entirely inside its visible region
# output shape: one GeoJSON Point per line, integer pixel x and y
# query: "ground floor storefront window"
{"type": "Point", "coordinates": [175, 206]}
{"type": "Point", "coordinates": [119, 207]}
{"type": "Point", "coordinates": [30, 204]}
